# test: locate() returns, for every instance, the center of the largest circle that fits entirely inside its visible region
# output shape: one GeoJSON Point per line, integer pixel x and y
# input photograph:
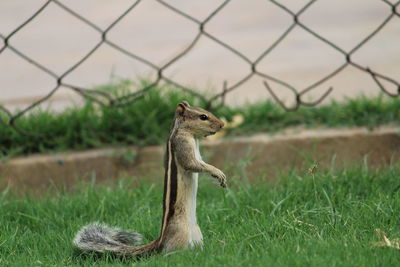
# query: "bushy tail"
{"type": "Point", "coordinates": [100, 237]}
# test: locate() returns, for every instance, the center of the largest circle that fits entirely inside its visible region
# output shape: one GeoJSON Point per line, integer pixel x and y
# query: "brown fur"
{"type": "Point", "coordinates": [191, 127]}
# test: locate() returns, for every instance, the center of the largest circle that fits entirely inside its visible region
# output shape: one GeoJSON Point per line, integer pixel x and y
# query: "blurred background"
{"type": "Point", "coordinates": [88, 90]}
{"type": "Point", "coordinates": [61, 48]}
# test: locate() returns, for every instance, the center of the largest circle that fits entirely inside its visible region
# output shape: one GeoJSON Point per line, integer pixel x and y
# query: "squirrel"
{"type": "Point", "coordinates": [179, 228]}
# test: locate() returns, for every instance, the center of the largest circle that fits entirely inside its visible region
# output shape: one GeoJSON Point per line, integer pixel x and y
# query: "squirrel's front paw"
{"type": "Point", "coordinates": [220, 176]}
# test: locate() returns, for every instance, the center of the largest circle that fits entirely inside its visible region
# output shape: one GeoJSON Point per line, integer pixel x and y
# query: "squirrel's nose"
{"type": "Point", "coordinates": [222, 124]}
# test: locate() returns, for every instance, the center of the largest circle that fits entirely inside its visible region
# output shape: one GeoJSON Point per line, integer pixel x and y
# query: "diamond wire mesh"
{"type": "Point", "coordinates": [104, 98]}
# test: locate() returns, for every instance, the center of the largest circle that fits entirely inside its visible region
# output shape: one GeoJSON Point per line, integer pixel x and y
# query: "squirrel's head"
{"type": "Point", "coordinates": [196, 120]}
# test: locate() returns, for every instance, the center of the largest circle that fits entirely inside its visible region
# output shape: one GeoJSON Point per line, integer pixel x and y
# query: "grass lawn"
{"type": "Point", "coordinates": [326, 220]}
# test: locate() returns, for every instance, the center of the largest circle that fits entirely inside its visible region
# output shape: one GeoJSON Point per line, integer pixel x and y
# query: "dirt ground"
{"type": "Point", "coordinates": [58, 40]}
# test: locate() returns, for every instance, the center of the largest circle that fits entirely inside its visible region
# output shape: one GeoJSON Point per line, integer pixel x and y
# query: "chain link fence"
{"type": "Point", "coordinates": [104, 98]}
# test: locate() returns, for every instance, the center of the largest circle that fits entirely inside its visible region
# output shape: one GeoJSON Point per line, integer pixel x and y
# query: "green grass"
{"type": "Point", "coordinates": [147, 121]}
{"type": "Point", "coordinates": [326, 220]}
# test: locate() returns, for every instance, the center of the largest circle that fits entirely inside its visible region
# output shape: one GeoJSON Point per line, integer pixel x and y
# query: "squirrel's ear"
{"type": "Point", "coordinates": [185, 103]}
{"type": "Point", "coordinates": [180, 109]}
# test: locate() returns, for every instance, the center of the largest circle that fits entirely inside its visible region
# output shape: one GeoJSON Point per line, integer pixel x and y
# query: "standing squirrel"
{"type": "Point", "coordinates": [183, 162]}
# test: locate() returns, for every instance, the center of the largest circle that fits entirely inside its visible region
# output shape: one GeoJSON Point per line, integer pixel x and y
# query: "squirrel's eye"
{"type": "Point", "coordinates": [203, 117]}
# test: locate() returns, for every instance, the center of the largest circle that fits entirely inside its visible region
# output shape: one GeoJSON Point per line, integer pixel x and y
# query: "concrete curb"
{"type": "Point", "coordinates": [269, 156]}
